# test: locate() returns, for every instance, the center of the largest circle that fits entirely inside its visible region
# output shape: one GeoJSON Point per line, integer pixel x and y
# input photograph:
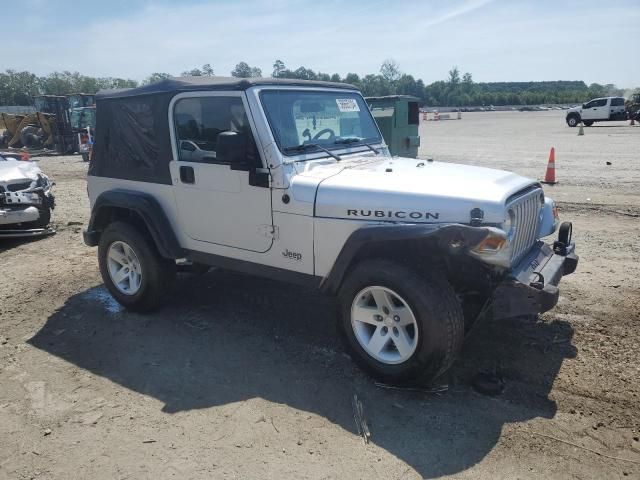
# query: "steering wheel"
{"type": "Point", "coordinates": [331, 133]}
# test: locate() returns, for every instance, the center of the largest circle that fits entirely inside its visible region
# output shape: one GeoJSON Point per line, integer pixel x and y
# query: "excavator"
{"type": "Point", "coordinates": [632, 106]}
{"type": "Point", "coordinates": [64, 124]}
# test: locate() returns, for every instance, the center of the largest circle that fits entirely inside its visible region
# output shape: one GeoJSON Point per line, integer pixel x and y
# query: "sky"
{"type": "Point", "coordinates": [495, 40]}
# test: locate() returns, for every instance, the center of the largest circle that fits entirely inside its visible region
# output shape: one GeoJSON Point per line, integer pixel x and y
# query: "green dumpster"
{"type": "Point", "coordinates": [398, 117]}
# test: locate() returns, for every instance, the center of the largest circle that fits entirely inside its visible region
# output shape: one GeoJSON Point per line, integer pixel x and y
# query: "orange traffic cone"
{"type": "Point", "coordinates": [550, 176]}
{"type": "Point", "coordinates": [25, 157]}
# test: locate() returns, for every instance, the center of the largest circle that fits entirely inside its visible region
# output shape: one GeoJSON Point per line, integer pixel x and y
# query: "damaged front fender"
{"type": "Point", "coordinates": [449, 239]}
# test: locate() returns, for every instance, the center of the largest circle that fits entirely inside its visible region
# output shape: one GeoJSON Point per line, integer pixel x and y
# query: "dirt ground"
{"type": "Point", "coordinates": [244, 378]}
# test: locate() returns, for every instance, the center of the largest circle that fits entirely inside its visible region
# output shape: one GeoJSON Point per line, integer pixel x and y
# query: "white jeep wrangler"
{"type": "Point", "coordinates": [293, 181]}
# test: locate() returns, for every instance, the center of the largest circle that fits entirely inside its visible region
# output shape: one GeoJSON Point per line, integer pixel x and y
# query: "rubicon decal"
{"type": "Point", "coordinates": [400, 214]}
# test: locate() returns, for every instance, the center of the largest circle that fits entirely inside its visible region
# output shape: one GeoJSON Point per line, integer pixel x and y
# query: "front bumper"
{"type": "Point", "coordinates": [17, 219]}
{"type": "Point", "coordinates": [532, 286]}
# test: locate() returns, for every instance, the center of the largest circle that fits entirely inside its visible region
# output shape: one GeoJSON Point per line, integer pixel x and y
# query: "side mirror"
{"type": "Point", "coordinates": [584, 105]}
{"type": "Point", "coordinates": [231, 148]}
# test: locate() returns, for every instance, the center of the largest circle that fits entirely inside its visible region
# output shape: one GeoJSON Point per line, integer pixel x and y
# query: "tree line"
{"type": "Point", "coordinates": [457, 90]}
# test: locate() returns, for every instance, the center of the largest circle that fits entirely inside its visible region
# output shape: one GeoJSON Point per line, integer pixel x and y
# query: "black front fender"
{"type": "Point", "coordinates": [450, 239]}
{"type": "Point", "coordinates": [145, 207]}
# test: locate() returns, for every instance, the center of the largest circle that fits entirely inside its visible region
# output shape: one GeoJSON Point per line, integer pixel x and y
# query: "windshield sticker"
{"type": "Point", "coordinates": [347, 105]}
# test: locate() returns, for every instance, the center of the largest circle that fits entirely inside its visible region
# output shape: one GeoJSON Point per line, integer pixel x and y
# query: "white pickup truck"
{"type": "Point", "coordinates": [608, 109]}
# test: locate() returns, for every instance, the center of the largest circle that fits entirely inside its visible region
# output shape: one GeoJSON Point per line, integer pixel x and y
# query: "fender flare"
{"type": "Point", "coordinates": [452, 239]}
{"type": "Point", "coordinates": [146, 207]}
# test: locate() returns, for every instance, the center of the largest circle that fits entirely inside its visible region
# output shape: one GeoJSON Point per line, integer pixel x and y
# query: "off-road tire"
{"type": "Point", "coordinates": [158, 274]}
{"type": "Point", "coordinates": [573, 120]}
{"type": "Point", "coordinates": [588, 123]}
{"type": "Point", "coordinates": [438, 313]}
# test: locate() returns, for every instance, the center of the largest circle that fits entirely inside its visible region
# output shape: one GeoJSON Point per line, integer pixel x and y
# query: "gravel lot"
{"type": "Point", "coordinates": [243, 378]}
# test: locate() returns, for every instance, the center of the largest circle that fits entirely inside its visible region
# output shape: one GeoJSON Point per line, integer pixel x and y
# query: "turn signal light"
{"type": "Point", "coordinates": [492, 243]}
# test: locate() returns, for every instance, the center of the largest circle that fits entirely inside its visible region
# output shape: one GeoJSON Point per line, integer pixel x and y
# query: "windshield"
{"type": "Point", "coordinates": [83, 117]}
{"type": "Point", "coordinates": [329, 120]}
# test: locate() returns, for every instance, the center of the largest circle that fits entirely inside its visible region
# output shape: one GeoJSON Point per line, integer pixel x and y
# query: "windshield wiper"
{"type": "Point", "coordinates": [306, 146]}
{"type": "Point", "coordinates": [348, 140]}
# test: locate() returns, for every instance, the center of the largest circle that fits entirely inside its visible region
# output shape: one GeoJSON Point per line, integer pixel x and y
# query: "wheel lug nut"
{"type": "Point", "coordinates": [396, 318]}
{"type": "Point", "coordinates": [377, 318]}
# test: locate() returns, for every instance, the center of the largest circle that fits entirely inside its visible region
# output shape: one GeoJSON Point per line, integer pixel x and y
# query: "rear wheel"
{"type": "Point", "coordinates": [588, 123]}
{"type": "Point", "coordinates": [402, 327]}
{"type": "Point", "coordinates": [132, 270]}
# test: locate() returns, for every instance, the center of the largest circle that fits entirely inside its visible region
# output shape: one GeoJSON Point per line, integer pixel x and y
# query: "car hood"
{"type": "Point", "coordinates": [575, 109]}
{"type": "Point", "coordinates": [16, 171]}
{"type": "Point", "coordinates": [409, 190]}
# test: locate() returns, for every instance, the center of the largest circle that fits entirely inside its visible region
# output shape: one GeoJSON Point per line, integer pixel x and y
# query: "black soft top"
{"type": "Point", "coordinates": [185, 84]}
{"type": "Point", "coordinates": [132, 136]}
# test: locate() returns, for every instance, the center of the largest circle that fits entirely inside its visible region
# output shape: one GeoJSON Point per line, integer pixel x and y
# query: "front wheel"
{"type": "Point", "coordinates": [131, 268]}
{"type": "Point", "coordinates": [402, 327]}
{"type": "Point", "coordinates": [573, 120]}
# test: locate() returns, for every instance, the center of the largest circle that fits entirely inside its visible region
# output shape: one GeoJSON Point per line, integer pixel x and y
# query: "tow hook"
{"type": "Point", "coordinates": [538, 282]}
{"type": "Point", "coordinates": [564, 239]}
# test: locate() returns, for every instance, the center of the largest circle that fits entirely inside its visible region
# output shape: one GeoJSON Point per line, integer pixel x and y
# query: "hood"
{"type": "Point", "coordinates": [417, 191]}
{"type": "Point", "coordinates": [19, 172]}
{"type": "Point", "coordinates": [575, 109]}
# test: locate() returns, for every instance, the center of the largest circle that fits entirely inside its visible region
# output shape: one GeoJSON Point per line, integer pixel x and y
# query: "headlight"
{"type": "Point", "coordinates": [509, 224]}
{"type": "Point", "coordinates": [493, 249]}
{"type": "Point", "coordinates": [495, 241]}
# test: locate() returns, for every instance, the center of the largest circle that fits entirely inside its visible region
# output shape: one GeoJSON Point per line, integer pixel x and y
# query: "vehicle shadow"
{"type": "Point", "coordinates": [9, 243]}
{"type": "Point", "coordinates": [226, 337]}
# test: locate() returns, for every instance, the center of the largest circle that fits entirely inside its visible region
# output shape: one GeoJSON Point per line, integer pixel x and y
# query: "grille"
{"type": "Point", "coordinates": [526, 208]}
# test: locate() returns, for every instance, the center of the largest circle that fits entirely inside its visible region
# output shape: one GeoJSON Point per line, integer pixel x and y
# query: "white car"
{"type": "Point", "coordinates": [26, 199]}
{"type": "Point", "coordinates": [606, 109]}
{"type": "Point", "coordinates": [302, 188]}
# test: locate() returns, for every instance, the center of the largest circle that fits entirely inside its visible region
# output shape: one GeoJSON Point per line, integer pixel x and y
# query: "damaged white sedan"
{"type": "Point", "coordinates": [26, 199]}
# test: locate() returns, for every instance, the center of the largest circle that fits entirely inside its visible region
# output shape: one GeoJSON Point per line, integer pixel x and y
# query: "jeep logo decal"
{"type": "Point", "coordinates": [389, 214]}
{"type": "Point", "coordinates": [292, 255]}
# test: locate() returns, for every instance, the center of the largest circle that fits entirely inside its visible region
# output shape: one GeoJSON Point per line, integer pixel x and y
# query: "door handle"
{"type": "Point", "coordinates": [187, 175]}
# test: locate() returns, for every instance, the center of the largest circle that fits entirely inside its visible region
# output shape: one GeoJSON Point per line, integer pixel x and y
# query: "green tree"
{"type": "Point", "coordinates": [243, 70]}
{"type": "Point", "coordinates": [278, 68]}
{"type": "Point", "coordinates": [454, 76]}
{"type": "Point", "coordinates": [352, 79]}
{"type": "Point", "coordinates": [390, 70]}
{"type": "Point", "coordinates": [195, 72]}
{"type": "Point", "coordinates": [207, 70]}
{"type": "Point", "coordinates": [155, 77]}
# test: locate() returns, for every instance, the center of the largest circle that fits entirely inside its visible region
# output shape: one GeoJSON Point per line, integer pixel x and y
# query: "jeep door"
{"type": "Point", "coordinates": [597, 109]}
{"type": "Point", "coordinates": [215, 199]}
